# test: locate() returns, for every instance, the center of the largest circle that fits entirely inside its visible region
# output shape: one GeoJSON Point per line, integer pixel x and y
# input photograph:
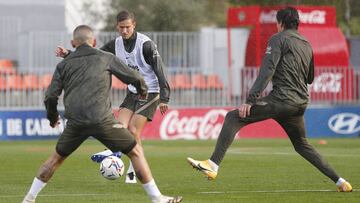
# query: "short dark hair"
{"type": "Point", "coordinates": [125, 15]}
{"type": "Point", "coordinates": [82, 33]}
{"type": "Point", "coordinates": [288, 17]}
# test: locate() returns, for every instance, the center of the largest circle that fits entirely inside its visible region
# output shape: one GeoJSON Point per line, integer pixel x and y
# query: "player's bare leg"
{"type": "Point", "coordinates": [45, 173]}
{"type": "Point", "coordinates": [136, 126]}
{"type": "Point", "coordinates": [124, 116]}
{"type": "Point", "coordinates": [144, 175]}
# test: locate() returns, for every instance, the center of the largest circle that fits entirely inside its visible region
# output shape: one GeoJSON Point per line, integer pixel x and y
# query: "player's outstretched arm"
{"type": "Point", "coordinates": [128, 75]}
{"type": "Point", "coordinates": [61, 52]}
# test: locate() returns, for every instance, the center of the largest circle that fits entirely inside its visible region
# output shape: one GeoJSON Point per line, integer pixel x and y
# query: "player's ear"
{"type": "Point", "coordinates": [73, 43]}
{"type": "Point", "coordinates": [94, 43]}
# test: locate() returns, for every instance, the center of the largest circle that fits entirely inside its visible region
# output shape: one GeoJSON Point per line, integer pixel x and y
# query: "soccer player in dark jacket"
{"type": "Point", "coordinates": [289, 64]}
{"type": "Point", "coordinates": [85, 76]}
{"type": "Point", "coordinates": [139, 52]}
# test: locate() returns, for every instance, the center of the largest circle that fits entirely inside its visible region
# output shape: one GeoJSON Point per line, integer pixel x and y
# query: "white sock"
{"type": "Point", "coordinates": [36, 187]}
{"type": "Point", "coordinates": [130, 169]}
{"type": "Point", "coordinates": [213, 165]}
{"type": "Point", "coordinates": [340, 181]}
{"type": "Point", "coordinates": [151, 189]}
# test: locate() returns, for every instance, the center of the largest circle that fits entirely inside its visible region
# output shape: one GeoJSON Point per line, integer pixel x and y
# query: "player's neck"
{"type": "Point", "coordinates": [129, 43]}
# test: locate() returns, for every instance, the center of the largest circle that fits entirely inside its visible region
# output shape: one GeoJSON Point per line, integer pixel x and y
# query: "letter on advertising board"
{"type": "Point", "coordinates": [14, 127]}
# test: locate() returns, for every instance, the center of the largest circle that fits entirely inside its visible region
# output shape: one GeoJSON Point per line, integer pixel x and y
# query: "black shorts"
{"type": "Point", "coordinates": [146, 108]}
{"type": "Point", "coordinates": [112, 135]}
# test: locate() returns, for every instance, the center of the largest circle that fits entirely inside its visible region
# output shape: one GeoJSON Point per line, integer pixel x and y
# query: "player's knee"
{"type": "Point", "coordinates": [132, 129]}
{"type": "Point", "coordinates": [136, 151]}
{"type": "Point", "coordinates": [301, 147]}
{"type": "Point", "coordinates": [231, 115]}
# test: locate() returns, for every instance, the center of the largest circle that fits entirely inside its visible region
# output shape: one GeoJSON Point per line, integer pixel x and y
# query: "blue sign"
{"type": "Point", "coordinates": [25, 124]}
{"type": "Point", "coordinates": [333, 122]}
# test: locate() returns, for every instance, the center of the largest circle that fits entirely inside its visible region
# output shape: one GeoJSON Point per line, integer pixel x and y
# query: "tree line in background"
{"type": "Point", "coordinates": [191, 15]}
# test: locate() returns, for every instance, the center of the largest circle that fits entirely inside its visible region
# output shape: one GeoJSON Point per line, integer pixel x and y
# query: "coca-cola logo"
{"type": "Point", "coordinates": [268, 17]}
{"type": "Point", "coordinates": [241, 16]}
{"type": "Point", "coordinates": [327, 82]}
{"type": "Point", "coordinates": [312, 17]}
{"type": "Point", "coordinates": [202, 127]}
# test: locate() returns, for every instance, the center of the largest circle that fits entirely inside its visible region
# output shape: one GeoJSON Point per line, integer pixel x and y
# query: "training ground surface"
{"type": "Point", "coordinates": [253, 171]}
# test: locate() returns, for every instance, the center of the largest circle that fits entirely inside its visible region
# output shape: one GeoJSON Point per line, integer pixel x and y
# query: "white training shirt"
{"type": "Point", "coordinates": [136, 60]}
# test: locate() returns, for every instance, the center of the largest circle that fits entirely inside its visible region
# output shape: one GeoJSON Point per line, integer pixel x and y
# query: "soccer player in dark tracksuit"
{"type": "Point", "coordinates": [289, 63]}
{"type": "Point", "coordinates": [139, 52]}
{"type": "Point", "coordinates": [85, 77]}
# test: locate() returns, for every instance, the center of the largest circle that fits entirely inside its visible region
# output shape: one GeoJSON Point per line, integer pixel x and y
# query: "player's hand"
{"type": "Point", "coordinates": [244, 110]}
{"type": "Point", "coordinates": [61, 52]}
{"type": "Point", "coordinates": [163, 108]}
{"type": "Point", "coordinates": [55, 123]}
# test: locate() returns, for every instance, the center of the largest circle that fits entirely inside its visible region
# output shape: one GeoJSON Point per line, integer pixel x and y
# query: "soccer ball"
{"type": "Point", "coordinates": [112, 168]}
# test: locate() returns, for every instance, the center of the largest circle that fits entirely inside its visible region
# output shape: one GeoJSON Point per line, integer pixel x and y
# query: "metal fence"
{"type": "Point", "coordinates": [23, 83]}
{"type": "Point", "coordinates": [36, 48]}
{"type": "Point", "coordinates": [10, 26]}
{"type": "Point", "coordinates": [191, 88]}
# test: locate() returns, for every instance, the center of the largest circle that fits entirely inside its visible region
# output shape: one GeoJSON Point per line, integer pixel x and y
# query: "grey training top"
{"type": "Point", "coordinates": [85, 77]}
{"type": "Point", "coordinates": [289, 63]}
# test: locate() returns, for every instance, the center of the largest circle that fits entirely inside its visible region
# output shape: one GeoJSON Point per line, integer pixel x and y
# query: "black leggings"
{"type": "Point", "coordinates": [291, 118]}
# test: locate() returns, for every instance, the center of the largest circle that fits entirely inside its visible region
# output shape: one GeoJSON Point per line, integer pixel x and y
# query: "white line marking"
{"type": "Point", "coordinates": [267, 191]}
{"type": "Point", "coordinates": [263, 153]}
{"type": "Point", "coordinates": [55, 195]}
{"type": "Point", "coordinates": [239, 151]}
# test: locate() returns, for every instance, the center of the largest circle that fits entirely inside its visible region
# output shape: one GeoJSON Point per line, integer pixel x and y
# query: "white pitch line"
{"type": "Point", "coordinates": [262, 153]}
{"type": "Point", "coordinates": [267, 191]}
{"type": "Point", "coordinates": [238, 151]}
{"type": "Point", "coordinates": [55, 195]}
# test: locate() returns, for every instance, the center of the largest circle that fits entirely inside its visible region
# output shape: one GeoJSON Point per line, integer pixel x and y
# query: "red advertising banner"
{"type": "Point", "coordinates": [333, 84]}
{"type": "Point", "coordinates": [317, 24]}
{"type": "Point", "coordinates": [330, 84]}
{"type": "Point", "coordinates": [309, 15]}
{"type": "Point", "coordinates": [203, 124]}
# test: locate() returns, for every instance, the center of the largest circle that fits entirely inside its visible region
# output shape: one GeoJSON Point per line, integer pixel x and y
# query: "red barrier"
{"type": "Point", "coordinates": [203, 124]}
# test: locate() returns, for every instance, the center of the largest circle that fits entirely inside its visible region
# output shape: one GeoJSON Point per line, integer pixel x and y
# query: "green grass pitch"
{"type": "Point", "coordinates": [254, 170]}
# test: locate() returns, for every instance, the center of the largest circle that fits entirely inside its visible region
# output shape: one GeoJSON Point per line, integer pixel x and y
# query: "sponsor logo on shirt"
{"type": "Point", "coordinates": [134, 67]}
{"type": "Point", "coordinates": [118, 125]}
{"type": "Point", "coordinates": [156, 53]}
{"type": "Point", "coordinates": [268, 50]}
